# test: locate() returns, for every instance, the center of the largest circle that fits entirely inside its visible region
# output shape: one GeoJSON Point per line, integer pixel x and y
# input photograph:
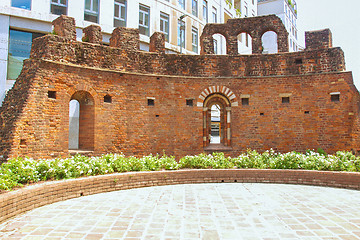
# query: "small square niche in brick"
{"type": "Point", "coordinates": [107, 99]}
{"type": "Point", "coordinates": [151, 102]}
{"type": "Point", "coordinates": [52, 94]}
{"type": "Point", "coordinates": [298, 61]}
{"type": "Point", "coordinates": [335, 97]}
{"type": "Point", "coordinates": [285, 99]}
{"type": "Point", "coordinates": [245, 101]}
{"type": "Point", "coordinates": [189, 102]}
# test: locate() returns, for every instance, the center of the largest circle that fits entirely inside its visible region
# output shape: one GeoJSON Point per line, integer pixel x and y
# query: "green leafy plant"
{"type": "Point", "coordinates": [19, 171]}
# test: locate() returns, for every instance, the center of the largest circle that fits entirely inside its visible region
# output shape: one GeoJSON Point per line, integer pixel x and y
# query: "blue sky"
{"type": "Point", "coordinates": [343, 19]}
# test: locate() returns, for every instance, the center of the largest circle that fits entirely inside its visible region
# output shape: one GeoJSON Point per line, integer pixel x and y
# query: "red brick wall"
{"type": "Point", "coordinates": [35, 125]}
{"type": "Point", "coordinates": [28, 198]}
{"type": "Point", "coordinates": [130, 126]}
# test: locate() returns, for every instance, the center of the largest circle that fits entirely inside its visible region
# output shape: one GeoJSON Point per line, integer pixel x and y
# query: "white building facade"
{"type": "Point", "coordinates": [24, 20]}
{"type": "Point", "coordinates": [287, 11]}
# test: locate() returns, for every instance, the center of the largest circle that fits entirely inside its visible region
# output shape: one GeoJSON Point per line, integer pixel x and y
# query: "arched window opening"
{"type": "Point", "coordinates": [217, 120]}
{"type": "Point", "coordinates": [81, 121]}
{"type": "Point", "coordinates": [74, 113]}
{"type": "Point", "coordinates": [244, 43]}
{"type": "Point", "coordinates": [269, 42]}
{"type": "Point", "coordinates": [219, 44]}
{"type": "Point", "coordinates": [215, 131]}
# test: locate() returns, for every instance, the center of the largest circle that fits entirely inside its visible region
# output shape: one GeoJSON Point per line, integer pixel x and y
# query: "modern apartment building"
{"type": "Point", "coordinates": [181, 21]}
{"type": "Point", "coordinates": [287, 11]}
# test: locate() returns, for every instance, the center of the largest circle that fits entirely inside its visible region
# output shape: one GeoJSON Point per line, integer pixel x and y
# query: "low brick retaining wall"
{"type": "Point", "coordinates": [30, 197]}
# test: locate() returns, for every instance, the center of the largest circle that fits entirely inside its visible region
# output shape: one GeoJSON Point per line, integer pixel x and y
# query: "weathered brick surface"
{"type": "Point", "coordinates": [92, 34]}
{"type": "Point", "coordinates": [318, 39]}
{"type": "Point", "coordinates": [28, 198]}
{"type": "Point", "coordinates": [36, 125]}
{"type": "Point", "coordinates": [64, 26]}
{"type": "Point", "coordinates": [125, 39]}
{"type": "Point", "coordinates": [255, 27]}
{"type": "Point", "coordinates": [157, 42]}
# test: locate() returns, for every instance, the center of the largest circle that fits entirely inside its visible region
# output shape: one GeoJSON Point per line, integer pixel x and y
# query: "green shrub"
{"type": "Point", "coordinates": [19, 171]}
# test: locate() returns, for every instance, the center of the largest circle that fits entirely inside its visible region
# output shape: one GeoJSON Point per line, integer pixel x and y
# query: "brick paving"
{"type": "Point", "coordinates": [199, 211]}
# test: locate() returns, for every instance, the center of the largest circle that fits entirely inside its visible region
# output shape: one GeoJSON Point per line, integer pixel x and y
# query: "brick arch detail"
{"type": "Point", "coordinates": [83, 87]}
{"type": "Point", "coordinates": [254, 26]}
{"type": "Point", "coordinates": [217, 89]}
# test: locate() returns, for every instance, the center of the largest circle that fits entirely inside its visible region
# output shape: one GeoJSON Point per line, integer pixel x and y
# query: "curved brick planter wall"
{"type": "Point", "coordinates": [28, 198]}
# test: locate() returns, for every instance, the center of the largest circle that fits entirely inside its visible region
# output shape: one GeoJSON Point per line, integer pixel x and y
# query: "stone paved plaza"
{"type": "Point", "coordinates": [201, 211]}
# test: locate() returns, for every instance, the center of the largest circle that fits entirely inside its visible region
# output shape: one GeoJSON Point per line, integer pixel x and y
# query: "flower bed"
{"type": "Point", "coordinates": [17, 172]}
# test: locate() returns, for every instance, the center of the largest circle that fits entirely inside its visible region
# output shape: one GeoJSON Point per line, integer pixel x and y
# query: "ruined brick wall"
{"type": "Point", "coordinates": [129, 125]}
{"type": "Point", "coordinates": [84, 54]}
{"type": "Point", "coordinates": [318, 39]}
{"type": "Point", "coordinates": [140, 103]}
{"type": "Point", "coordinates": [255, 27]}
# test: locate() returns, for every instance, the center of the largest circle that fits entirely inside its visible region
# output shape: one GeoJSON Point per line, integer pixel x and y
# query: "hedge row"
{"type": "Point", "coordinates": [19, 171]}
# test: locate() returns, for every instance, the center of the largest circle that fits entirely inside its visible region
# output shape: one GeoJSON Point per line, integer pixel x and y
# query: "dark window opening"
{"type": "Point", "coordinates": [151, 102]}
{"type": "Point", "coordinates": [52, 94]}
{"type": "Point", "coordinates": [157, 116]}
{"type": "Point", "coordinates": [306, 112]}
{"type": "Point", "coordinates": [189, 102]}
{"type": "Point", "coordinates": [245, 101]}
{"type": "Point", "coordinates": [107, 99]}
{"type": "Point", "coordinates": [261, 114]}
{"type": "Point", "coordinates": [285, 100]}
{"type": "Point", "coordinates": [335, 97]}
{"type": "Point", "coordinates": [298, 61]}
{"type": "Point", "coordinates": [22, 142]}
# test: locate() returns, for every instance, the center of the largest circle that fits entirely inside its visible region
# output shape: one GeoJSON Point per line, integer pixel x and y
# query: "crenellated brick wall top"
{"type": "Point", "coordinates": [31, 197]}
{"type": "Point", "coordinates": [56, 48]}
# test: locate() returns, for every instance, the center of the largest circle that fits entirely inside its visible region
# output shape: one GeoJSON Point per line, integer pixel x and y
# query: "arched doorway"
{"type": "Point", "coordinates": [244, 41]}
{"type": "Point", "coordinates": [81, 121]}
{"type": "Point", "coordinates": [217, 120]}
{"type": "Point", "coordinates": [220, 45]}
{"type": "Point", "coordinates": [269, 42]}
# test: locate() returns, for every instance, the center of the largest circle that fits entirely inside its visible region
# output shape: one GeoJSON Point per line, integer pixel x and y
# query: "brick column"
{"type": "Point", "coordinates": [64, 26]}
{"type": "Point", "coordinates": [205, 129]}
{"type": "Point", "coordinates": [228, 126]}
{"type": "Point", "coordinates": [207, 45]}
{"type": "Point", "coordinates": [157, 42]}
{"type": "Point", "coordinates": [318, 39]}
{"type": "Point", "coordinates": [92, 34]}
{"type": "Point", "coordinates": [125, 38]}
{"type": "Point", "coordinates": [232, 45]}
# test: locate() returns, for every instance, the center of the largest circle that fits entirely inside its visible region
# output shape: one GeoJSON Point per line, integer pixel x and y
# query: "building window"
{"type": "Point", "coordinates": [144, 20]}
{"type": "Point", "coordinates": [215, 46]}
{"type": "Point", "coordinates": [19, 50]}
{"type": "Point", "coordinates": [195, 41]}
{"type": "Point", "coordinates": [246, 11]}
{"type": "Point", "coordinates": [151, 101]}
{"type": "Point", "coordinates": [205, 11]}
{"type": "Point", "coordinates": [189, 102]}
{"type": "Point", "coordinates": [164, 25]}
{"type": "Point", "coordinates": [285, 99]}
{"type": "Point", "coordinates": [107, 99]}
{"type": "Point", "coordinates": [181, 34]}
{"type": "Point", "coordinates": [335, 97]}
{"type": "Point", "coordinates": [120, 13]}
{"type": "Point", "coordinates": [195, 7]}
{"type": "Point", "coordinates": [182, 3]}
{"type": "Point", "coordinates": [214, 14]}
{"type": "Point", "coordinates": [59, 7]}
{"type": "Point", "coordinates": [245, 101]}
{"type": "Point", "coordinates": [24, 4]}
{"type": "Point", "coordinates": [91, 13]}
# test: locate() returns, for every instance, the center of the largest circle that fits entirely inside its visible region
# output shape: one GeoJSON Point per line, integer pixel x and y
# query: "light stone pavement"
{"type": "Point", "coordinates": [198, 211]}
